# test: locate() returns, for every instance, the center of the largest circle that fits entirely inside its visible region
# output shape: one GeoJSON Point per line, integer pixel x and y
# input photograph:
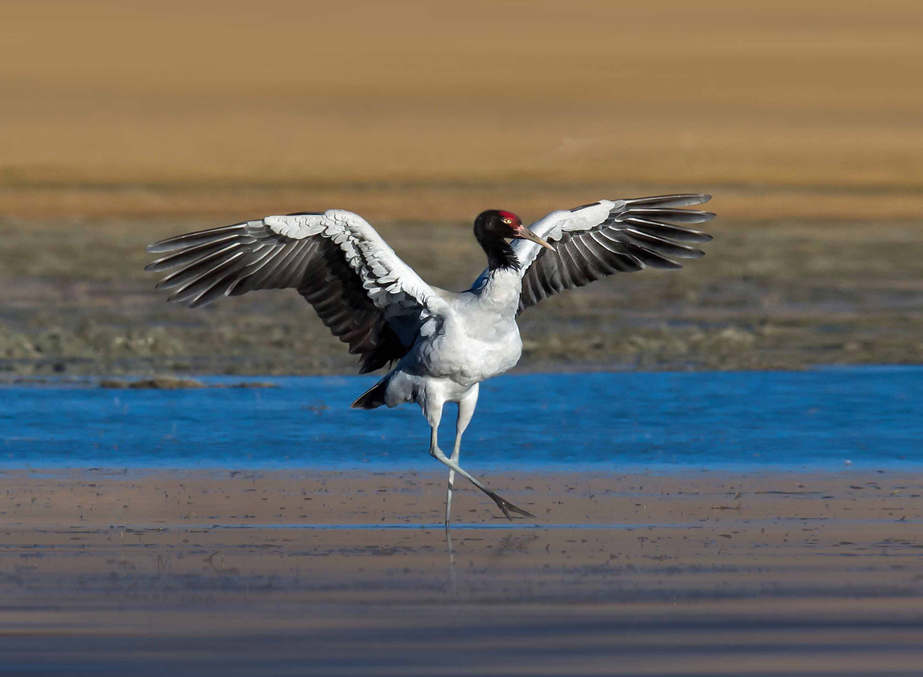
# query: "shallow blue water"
{"type": "Point", "coordinates": [871, 417]}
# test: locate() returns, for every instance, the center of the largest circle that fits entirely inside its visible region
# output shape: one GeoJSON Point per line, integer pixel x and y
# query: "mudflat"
{"type": "Point", "coordinates": [299, 572]}
{"type": "Point", "coordinates": [773, 294]}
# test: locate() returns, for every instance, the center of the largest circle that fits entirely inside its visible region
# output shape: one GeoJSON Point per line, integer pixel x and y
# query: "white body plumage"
{"type": "Point", "coordinates": [476, 338]}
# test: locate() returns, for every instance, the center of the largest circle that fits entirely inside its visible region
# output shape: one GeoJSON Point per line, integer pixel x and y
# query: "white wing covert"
{"type": "Point", "coordinates": [607, 237]}
{"type": "Point", "coordinates": [360, 288]}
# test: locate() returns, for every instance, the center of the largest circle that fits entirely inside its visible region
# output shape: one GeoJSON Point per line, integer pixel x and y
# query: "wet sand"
{"type": "Point", "coordinates": [348, 573]}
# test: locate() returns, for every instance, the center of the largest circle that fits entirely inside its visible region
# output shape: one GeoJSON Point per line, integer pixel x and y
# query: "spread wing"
{"type": "Point", "coordinates": [361, 290]}
{"type": "Point", "coordinates": [606, 237]}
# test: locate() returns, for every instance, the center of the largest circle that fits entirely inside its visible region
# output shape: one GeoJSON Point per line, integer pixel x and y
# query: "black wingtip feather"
{"type": "Point", "coordinates": [672, 216]}
{"type": "Point", "coordinates": [188, 240]}
{"type": "Point", "coordinates": [644, 232]}
{"type": "Point", "coordinates": [678, 200]}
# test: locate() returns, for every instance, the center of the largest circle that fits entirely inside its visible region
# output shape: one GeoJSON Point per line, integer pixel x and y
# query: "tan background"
{"type": "Point", "coordinates": [431, 109]}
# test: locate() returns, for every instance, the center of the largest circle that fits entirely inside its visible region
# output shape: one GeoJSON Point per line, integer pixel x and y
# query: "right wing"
{"type": "Point", "coordinates": [361, 290]}
{"type": "Point", "coordinates": [606, 237]}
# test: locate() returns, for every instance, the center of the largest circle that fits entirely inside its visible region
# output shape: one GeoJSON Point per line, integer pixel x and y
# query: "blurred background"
{"type": "Point", "coordinates": [124, 122]}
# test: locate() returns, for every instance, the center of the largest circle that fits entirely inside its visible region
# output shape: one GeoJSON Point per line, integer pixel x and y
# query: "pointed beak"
{"type": "Point", "coordinates": [526, 234]}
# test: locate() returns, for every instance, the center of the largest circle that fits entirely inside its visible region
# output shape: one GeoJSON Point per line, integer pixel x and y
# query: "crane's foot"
{"type": "Point", "coordinates": [508, 507]}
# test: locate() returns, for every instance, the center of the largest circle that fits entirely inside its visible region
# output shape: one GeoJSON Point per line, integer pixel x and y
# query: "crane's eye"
{"type": "Point", "coordinates": [508, 222]}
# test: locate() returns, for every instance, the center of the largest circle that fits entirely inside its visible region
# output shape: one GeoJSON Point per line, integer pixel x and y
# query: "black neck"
{"type": "Point", "coordinates": [500, 255]}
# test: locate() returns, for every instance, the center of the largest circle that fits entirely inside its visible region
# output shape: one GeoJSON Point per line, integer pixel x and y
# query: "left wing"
{"type": "Point", "coordinates": [358, 286]}
{"type": "Point", "coordinates": [606, 237]}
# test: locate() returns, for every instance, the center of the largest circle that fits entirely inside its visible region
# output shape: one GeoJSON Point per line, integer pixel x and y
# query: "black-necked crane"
{"type": "Point", "coordinates": [443, 343]}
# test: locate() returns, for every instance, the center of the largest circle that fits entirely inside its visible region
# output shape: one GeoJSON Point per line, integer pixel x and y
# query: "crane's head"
{"type": "Point", "coordinates": [496, 223]}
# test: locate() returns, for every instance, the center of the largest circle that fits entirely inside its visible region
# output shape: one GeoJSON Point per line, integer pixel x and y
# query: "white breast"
{"type": "Point", "coordinates": [479, 338]}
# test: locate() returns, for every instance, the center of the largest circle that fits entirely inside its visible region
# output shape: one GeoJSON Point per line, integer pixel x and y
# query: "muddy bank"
{"type": "Point", "coordinates": [768, 295]}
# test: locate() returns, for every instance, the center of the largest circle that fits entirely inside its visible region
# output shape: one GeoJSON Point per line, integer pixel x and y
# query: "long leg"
{"type": "Point", "coordinates": [432, 409]}
{"type": "Point", "coordinates": [465, 412]}
{"type": "Point", "coordinates": [501, 502]}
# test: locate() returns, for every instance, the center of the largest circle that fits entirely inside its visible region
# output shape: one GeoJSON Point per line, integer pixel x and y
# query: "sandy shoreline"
{"type": "Point", "coordinates": [757, 573]}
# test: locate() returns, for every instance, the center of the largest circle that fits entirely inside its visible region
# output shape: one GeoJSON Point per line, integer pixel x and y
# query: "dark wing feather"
{"type": "Point", "coordinates": [335, 264]}
{"type": "Point", "coordinates": [342, 304]}
{"type": "Point", "coordinates": [602, 238]}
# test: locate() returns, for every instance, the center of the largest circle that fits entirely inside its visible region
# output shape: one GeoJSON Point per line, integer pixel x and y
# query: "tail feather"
{"type": "Point", "coordinates": [374, 397]}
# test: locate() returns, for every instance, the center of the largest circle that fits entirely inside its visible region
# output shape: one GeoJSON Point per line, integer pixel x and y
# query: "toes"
{"type": "Point", "coordinates": [519, 511]}
{"type": "Point", "coordinates": [506, 507]}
